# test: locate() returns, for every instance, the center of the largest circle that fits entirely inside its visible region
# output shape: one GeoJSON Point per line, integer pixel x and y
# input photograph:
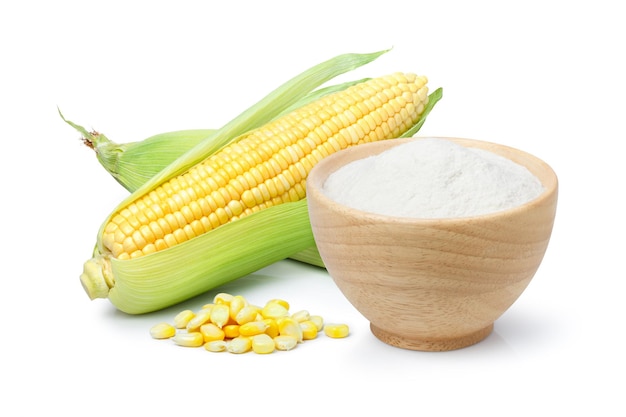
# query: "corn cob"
{"type": "Point", "coordinates": [175, 237]}
{"type": "Point", "coordinates": [265, 168]}
{"type": "Point", "coordinates": [132, 164]}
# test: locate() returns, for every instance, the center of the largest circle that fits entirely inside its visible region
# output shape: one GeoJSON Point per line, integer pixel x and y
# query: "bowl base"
{"type": "Point", "coordinates": [431, 345]}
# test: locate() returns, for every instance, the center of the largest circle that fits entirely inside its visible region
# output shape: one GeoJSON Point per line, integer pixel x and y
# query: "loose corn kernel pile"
{"type": "Point", "coordinates": [231, 324]}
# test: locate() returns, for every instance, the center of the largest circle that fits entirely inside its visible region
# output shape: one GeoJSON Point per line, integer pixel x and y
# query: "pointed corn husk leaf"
{"type": "Point", "coordinates": [132, 164]}
{"type": "Point", "coordinates": [136, 163]}
{"type": "Point", "coordinates": [167, 277]}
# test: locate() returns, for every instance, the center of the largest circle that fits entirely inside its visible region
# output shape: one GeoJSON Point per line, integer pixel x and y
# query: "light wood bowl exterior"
{"type": "Point", "coordinates": [431, 284]}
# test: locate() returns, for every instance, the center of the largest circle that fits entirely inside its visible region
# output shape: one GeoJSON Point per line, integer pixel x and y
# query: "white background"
{"type": "Point", "coordinates": [543, 76]}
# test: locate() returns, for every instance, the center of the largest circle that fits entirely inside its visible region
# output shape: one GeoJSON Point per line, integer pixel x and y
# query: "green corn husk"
{"type": "Point", "coordinates": [164, 278]}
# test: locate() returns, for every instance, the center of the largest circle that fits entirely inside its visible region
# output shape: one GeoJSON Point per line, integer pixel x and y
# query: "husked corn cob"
{"type": "Point", "coordinates": [133, 163]}
{"type": "Point", "coordinates": [205, 221]}
{"type": "Point", "coordinates": [265, 168]}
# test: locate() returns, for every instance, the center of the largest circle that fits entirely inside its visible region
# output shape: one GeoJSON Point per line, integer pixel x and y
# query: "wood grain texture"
{"type": "Point", "coordinates": [432, 284]}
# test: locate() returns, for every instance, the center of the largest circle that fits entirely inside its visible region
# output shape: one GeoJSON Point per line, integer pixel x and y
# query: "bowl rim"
{"type": "Point", "coordinates": [317, 177]}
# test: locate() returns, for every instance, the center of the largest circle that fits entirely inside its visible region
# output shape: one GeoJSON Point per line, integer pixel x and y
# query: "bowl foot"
{"type": "Point", "coordinates": [431, 345]}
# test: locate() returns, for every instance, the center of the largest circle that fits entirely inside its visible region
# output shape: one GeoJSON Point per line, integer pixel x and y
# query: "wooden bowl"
{"type": "Point", "coordinates": [431, 284]}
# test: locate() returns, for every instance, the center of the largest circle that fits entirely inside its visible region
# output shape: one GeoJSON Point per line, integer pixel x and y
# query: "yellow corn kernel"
{"type": "Point", "coordinates": [220, 314]}
{"type": "Point", "coordinates": [274, 310]}
{"type": "Point", "coordinates": [319, 322]}
{"type": "Point", "coordinates": [301, 316]}
{"type": "Point", "coordinates": [281, 302]}
{"type": "Point", "coordinates": [336, 331]}
{"type": "Point", "coordinates": [162, 331]}
{"type": "Point", "coordinates": [231, 331]}
{"type": "Point", "coordinates": [289, 327]}
{"type": "Point", "coordinates": [211, 332]}
{"type": "Point", "coordinates": [182, 318]}
{"type": "Point", "coordinates": [239, 344]}
{"type": "Point", "coordinates": [199, 319]}
{"type": "Point", "coordinates": [247, 314]}
{"type": "Point", "coordinates": [253, 328]}
{"type": "Point", "coordinates": [309, 330]}
{"type": "Point", "coordinates": [193, 339]}
{"type": "Point", "coordinates": [222, 298]}
{"type": "Point", "coordinates": [262, 343]}
{"type": "Point", "coordinates": [272, 327]}
{"type": "Point", "coordinates": [285, 342]}
{"type": "Point", "coordinates": [237, 303]}
{"type": "Point", "coordinates": [216, 346]}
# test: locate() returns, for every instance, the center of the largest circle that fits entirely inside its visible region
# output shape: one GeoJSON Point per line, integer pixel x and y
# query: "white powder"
{"type": "Point", "coordinates": [432, 178]}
